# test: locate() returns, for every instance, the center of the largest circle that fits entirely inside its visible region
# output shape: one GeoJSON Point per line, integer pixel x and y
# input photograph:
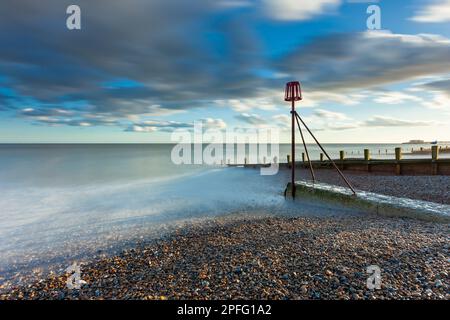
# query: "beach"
{"type": "Point", "coordinates": [270, 258]}
{"type": "Point", "coordinates": [205, 233]}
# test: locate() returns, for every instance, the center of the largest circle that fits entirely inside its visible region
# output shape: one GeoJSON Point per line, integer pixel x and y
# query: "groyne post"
{"type": "Point", "coordinates": [303, 157]}
{"type": "Point", "coordinates": [342, 158]}
{"type": "Point", "coordinates": [398, 157]}
{"type": "Point", "coordinates": [321, 157]}
{"type": "Point", "coordinates": [366, 154]}
{"type": "Point", "coordinates": [367, 158]}
{"type": "Point", "coordinates": [289, 160]}
{"type": "Point", "coordinates": [434, 158]}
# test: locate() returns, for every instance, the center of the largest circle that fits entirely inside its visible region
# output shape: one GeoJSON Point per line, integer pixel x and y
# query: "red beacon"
{"type": "Point", "coordinates": [293, 91]}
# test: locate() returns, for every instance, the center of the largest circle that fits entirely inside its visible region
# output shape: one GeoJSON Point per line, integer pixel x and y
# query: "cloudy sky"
{"type": "Point", "coordinates": [137, 70]}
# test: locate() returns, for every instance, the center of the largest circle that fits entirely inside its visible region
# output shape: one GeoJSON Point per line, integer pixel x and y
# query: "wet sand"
{"type": "Point", "coordinates": [270, 258]}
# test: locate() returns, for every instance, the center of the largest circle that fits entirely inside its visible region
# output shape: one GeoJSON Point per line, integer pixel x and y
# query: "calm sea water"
{"type": "Point", "coordinates": [62, 202]}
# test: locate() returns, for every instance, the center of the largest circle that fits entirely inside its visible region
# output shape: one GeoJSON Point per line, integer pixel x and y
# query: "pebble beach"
{"type": "Point", "coordinates": [269, 258]}
{"type": "Point", "coordinates": [262, 255]}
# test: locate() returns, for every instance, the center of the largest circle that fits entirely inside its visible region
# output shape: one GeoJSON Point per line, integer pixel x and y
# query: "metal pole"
{"type": "Point", "coordinates": [307, 154]}
{"type": "Point", "coordinates": [320, 146]}
{"type": "Point", "coordinates": [293, 144]}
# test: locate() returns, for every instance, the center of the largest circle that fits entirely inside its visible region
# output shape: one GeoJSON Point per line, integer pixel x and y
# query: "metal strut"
{"type": "Point", "coordinates": [313, 176]}
{"type": "Point", "coordinates": [323, 150]}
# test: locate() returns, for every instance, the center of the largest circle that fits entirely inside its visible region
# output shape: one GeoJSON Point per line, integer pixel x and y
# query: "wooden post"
{"type": "Point", "coordinates": [342, 158]}
{"type": "Point", "coordinates": [435, 152]}
{"type": "Point", "coordinates": [321, 157]}
{"type": "Point", "coordinates": [398, 154]}
{"type": "Point", "coordinates": [398, 157]}
{"type": "Point", "coordinates": [366, 154]}
{"type": "Point", "coordinates": [289, 160]}
{"type": "Point", "coordinates": [245, 160]}
{"type": "Point", "coordinates": [434, 158]}
{"type": "Point", "coordinates": [367, 158]}
{"type": "Point", "coordinates": [303, 156]}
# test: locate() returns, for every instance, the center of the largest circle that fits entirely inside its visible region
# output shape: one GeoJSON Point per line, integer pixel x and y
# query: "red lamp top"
{"type": "Point", "coordinates": [293, 91]}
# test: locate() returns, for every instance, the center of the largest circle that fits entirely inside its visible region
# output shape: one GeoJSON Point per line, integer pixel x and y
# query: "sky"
{"type": "Point", "coordinates": [138, 70]}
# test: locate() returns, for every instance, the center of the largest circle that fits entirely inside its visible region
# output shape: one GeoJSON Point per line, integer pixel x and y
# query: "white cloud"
{"type": "Point", "coordinates": [292, 10]}
{"type": "Point", "coordinates": [395, 97]}
{"type": "Point", "coordinates": [438, 93]}
{"type": "Point", "coordinates": [440, 101]}
{"type": "Point", "coordinates": [282, 118]}
{"type": "Point", "coordinates": [54, 112]}
{"type": "Point", "coordinates": [324, 120]}
{"type": "Point", "coordinates": [209, 123]}
{"type": "Point", "coordinates": [330, 115]}
{"type": "Point", "coordinates": [141, 128]}
{"type": "Point", "coordinates": [320, 120]}
{"type": "Point", "coordinates": [438, 11]}
{"type": "Point", "coordinates": [339, 127]}
{"type": "Point", "coordinates": [253, 119]}
{"type": "Point", "coordinates": [169, 126]}
{"type": "Point", "coordinates": [382, 121]}
{"type": "Point", "coordinates": [243, 105]}
{"type": "Point", "coordinates": [315, 98]}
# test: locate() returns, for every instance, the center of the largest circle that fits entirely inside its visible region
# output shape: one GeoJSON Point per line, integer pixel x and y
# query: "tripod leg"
{"type": "Point", "coordinates": [326, 154]}
{"type": "Point", "coordinates": [306, 150]}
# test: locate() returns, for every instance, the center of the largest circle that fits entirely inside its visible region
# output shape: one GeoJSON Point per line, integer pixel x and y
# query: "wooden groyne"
{"type": "Point", "coordinates": [397, 166]}
{"type": "Point", "coordinates": [423, 151]}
